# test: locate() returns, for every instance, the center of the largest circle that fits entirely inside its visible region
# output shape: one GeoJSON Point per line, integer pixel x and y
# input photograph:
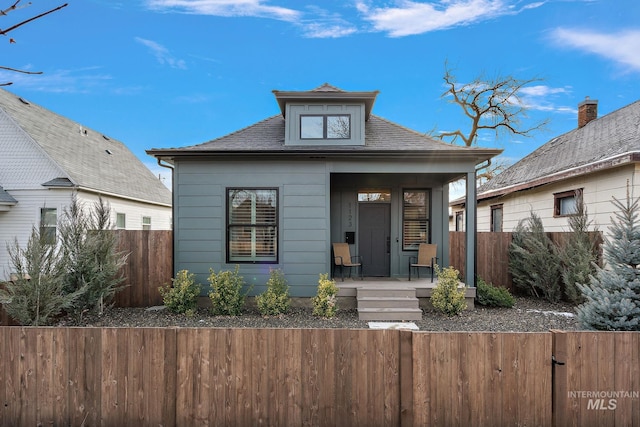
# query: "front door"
{"type": "Point", "coordinates": [374, 245]}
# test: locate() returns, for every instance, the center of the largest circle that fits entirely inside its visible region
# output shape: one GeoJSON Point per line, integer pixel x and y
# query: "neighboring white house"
{"type": "Point", "coordinates": [598, 160]}
{"type": "Point", "coordinates": [45, 158]}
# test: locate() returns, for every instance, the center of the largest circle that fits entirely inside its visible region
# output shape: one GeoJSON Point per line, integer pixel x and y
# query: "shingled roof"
{"type": "Point", "coordinates": [87, 159]}
{"type": "Point", "coordinates": [600, 144]}
{"type": "Point", "coordinates": [6, 198]}
{"type": "Point", "coordinates": [383, 138]}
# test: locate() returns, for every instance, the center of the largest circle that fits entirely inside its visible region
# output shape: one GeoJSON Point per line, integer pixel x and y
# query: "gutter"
{"type": "Point", "coordinates": [597, 166]}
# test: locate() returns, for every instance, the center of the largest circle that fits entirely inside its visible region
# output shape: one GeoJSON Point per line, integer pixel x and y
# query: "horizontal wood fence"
{"type": "Point", "coordinates": [316, 377]}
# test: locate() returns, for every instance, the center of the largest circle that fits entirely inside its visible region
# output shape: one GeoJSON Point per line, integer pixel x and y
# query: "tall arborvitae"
{"type": "Point", "coordinates": [579, 253]}
{"type": "Point", "coordinates": [612, 299]}
{"type": "Point", "coordinates": [91, 258]}
{"type": "Point", "coordinates": [35, 295]}
{"type": "Point", "coordinates": [533, 260]}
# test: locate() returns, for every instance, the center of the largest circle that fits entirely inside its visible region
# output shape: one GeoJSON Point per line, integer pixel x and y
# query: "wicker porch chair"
{"type": "Point", "coordinates": [426, 259]}
{"type": "Point", "coordinates": [342, 258]}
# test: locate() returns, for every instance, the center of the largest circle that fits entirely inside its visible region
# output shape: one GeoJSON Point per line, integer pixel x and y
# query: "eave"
{"type": "Point", "coordinates": [368, 98]}
{"type": "Point", "coordinates": [476, 155]}
{"type": "Point", "coordinates": [600, 165]}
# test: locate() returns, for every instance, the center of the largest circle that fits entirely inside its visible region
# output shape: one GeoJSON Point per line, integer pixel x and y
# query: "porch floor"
{"type": "Point", "coordinates": [348, 290]}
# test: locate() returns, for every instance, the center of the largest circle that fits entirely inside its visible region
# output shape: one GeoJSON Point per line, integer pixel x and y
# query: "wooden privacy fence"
{"type": "Point", "coordinates": [492, 252]}
{"type": "Point", "coordinates": [316, 377]}
{"type": "Point", "coordinates": [149, 265]}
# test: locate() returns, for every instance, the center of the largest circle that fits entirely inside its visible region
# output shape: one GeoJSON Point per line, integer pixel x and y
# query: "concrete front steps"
{"type": "Point", "coordinates": [388, 303]}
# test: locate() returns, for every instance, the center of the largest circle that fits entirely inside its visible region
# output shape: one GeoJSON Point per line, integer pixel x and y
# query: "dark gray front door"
{"type": "Point", "coordinates": [374, 229]}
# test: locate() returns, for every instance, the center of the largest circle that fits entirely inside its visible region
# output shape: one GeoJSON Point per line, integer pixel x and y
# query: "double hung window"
{"type": "Point", "coordinates": [496, 218]}
{"type": "Point", "coordinates": [252, 225]}
{"type": "Point", "coordinates": [48, 225]}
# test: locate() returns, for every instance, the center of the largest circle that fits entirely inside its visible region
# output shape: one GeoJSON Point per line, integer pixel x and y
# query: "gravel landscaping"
{"type": "Point", "coordinates": [527, 315]}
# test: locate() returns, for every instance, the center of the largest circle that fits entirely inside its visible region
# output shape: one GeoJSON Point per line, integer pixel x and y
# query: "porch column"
{"type": "Point", "coordinates": [470, 235]}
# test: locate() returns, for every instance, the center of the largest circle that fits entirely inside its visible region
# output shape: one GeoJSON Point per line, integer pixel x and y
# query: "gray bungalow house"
{"type": "Point", "coordinates": [277, 194]}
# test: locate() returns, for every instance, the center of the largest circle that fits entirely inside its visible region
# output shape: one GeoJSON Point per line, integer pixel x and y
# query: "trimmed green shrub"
{"type": "Point", "coordinates": [226, 292]}
{"type": "Point", "coordinates": [182, 297]}
{"type": "Point", "coordinates": [275, 300]}
{"type": "Point", "coordinates": [493, 296]}
{"type": "Point", "coordinates": [325, 303]}
{"type": "Point", "coordinates": [446, 297]}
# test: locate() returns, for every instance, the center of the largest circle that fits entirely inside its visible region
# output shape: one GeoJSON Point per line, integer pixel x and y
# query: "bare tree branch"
{"type": "Point", "coordinates": [26, 21]}
{"type": "Point", "coordinates": [490, 104]}
{"type": "Point", "coordinates": [12, 8]}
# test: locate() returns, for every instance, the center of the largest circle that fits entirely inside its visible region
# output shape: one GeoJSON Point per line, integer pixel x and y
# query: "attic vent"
{"type": "Point", "coordinates": [83, 131]}
{"type": "Point", "coordinates": [25, 102]}
{"type": "Point", "coordinates": [108, 151]}
{"type": "Point", "coordinates": [105, 137]}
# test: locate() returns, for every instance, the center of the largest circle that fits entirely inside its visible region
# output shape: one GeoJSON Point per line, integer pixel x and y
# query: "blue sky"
{"type": "Point", "coordinates": [171, 73]}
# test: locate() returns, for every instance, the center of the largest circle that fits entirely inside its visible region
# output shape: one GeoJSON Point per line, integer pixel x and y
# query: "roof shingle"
{"type": "Point", "coordinates": [89, 158]}
{"type": "Point", "coordinates": [612, 135]}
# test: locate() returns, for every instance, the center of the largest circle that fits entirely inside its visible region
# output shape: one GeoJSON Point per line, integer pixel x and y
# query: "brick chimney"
{"type": "Point", "coordinates": [587, 111]}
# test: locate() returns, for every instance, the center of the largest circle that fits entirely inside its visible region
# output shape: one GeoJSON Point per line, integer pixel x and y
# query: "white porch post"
{"type": "Point", "coordinates": [470, 236]}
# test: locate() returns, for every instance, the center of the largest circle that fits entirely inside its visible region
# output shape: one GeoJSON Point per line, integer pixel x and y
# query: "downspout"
{"type": "Point", "coordinates": [173, 200]}
{"type": "Point", "coordinates": [475, 222]}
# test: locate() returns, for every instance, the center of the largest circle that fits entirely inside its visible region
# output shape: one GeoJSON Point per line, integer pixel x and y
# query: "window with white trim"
{"type": "Point", "coordinates": [496, 218]}
{"type": "Point", "coordinates": [121, 221]}
{"type": "Point", "coordinates": [48, 225]}
{"type": "Point", "coordinates": [146, 223]}
{"type": "Point", "coordinates": [252, 225]}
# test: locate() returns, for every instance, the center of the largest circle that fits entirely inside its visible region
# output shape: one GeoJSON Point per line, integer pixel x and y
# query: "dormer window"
{"type": "Point", "coordinates": [325, 126]}
{"type": "Point", "coordinates": [325, 116]}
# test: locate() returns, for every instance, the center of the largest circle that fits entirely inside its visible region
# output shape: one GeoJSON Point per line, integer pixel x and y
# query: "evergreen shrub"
{"type": "Point", "coordinates": [612, 298]}
{"type": "Point", "coordinates": [493, 296]}
{"type": "Point", "coordinates": [447, 297]}
{"type": "Point", "coordinates": [226, 293]}
{"type": "Point", "coordinates": [325, 301]}
{"type": "Point", "coordinates": [275, 300]}
{"type": "Point", "coordinates": [182, 297]}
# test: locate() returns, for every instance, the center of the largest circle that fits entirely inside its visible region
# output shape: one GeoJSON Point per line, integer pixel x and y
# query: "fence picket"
{"type": "Point", "coordinates": [189, 376]}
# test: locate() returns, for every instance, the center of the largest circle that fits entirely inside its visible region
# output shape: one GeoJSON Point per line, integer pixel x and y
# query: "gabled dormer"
{"type": "Point", "coordinates": [325, 116]}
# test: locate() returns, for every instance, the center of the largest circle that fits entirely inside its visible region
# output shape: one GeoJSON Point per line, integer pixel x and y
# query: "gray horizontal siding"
{"type": "Point", "coordinates": [303, 222]}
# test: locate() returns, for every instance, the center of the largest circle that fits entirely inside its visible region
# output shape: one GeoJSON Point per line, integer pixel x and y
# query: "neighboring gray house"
{"type": "Point", "coordinates": [276, 194]}
{"type": "Point", "coordinates": [45, 158]}
{"type": "Point", "coordinates": [598, 160]}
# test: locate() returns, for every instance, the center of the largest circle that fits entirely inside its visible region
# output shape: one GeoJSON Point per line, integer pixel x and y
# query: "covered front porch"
{"type": "Point", "coordinates": [391, 298]}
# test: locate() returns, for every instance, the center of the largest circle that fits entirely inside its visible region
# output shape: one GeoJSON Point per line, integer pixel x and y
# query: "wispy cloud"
{"type": "Point", "coordinates": [321, 23]}
{"type": "Point", "coordinates": [315, 22]}
{"type": "Point", "coordinates": [82, 80]}
{"type": "Point", "coordinates": [412, 17]}
{"type": "Point", "coordinates": [256, 8]}
{"type": "Point", "coordinates": [621, 47]}
{"type": "Point", "coordinates": [545, 98]}
{"type": "Point", "coordinates": [162, 54]}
